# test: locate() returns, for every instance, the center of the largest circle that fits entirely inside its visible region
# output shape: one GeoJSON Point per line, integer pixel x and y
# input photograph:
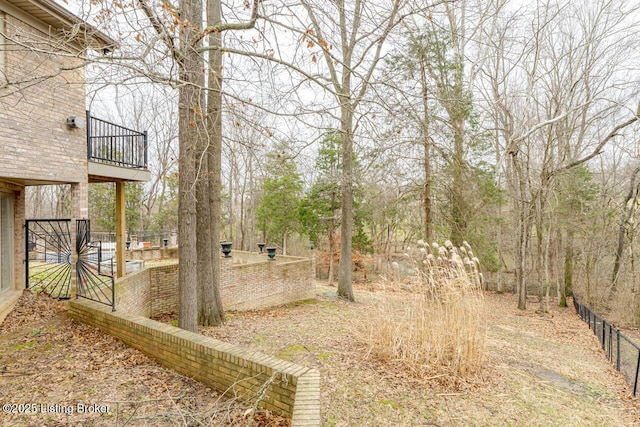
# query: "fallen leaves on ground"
{"type": "Point", "coordinates": [62, 368]}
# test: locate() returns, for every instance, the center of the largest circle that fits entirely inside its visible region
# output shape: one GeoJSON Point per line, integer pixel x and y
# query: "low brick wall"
{"type": "Point", "coordinates": [152, 254]}
{"type": "Point", "coordinates": [265, 284]}
{"type": "Point", "coordinates": [293, 390]}
{"type": "Point", "coordinates": [153, 291]}
{"type": "Point", "coordinates": [163, 289]}
{"type": "Point", "coordinates": [132, 293]}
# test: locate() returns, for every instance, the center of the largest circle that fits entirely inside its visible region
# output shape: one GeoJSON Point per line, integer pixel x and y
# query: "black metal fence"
{"type": "Point", "coordinates": [135, 238]}
{"type": "Point", "coordinates": [619, 349]}
{"type": "Point", "coordinates": [116, 145]}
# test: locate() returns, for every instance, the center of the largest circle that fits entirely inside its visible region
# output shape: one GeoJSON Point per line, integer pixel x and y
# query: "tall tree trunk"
{"type": "Point", "coordinates": [214, 313]}
{"type": "Point", "coordinates": [357, 49]}
{"type": "Point", "coordinates": [499, 235]}
{"type": "Point", "coordinates": [345, 288]}
{"type": "Point", "coordinates": [241, 229]}
{"type": "Point", "coordinates": [190, 122]}
{"type": "Point", "coordinates": [331, 249]}
{"type": "Point", "coordinates": [426, 143]}
{"type": "Point", "coordinates": [457, 108]}
{"type": "Point", "coordinates": [231, 207]}
{"type": "Point", "coordinates": [628, 209]}
{"type": "Point", "coordinates": [62, 201]}
{"type": "Point", "coordinates": [204, 247]}
{"type": "Point", "coordinates": [252, 208]}
{"type": "Point", "coordinates": [567, 279]}
{"type": "Point", "coordinates": [284, 243]}
{"type": "Point", "coordinates": [521, 257]}
{"type": "Point", "coordinates": [458, 201]}
{"type": "Point", "coordinates": [522, 238]}
{"type": "Point", "coordinates": [540, 251]}
{"type": "Point", "coordinates": [458, 116]}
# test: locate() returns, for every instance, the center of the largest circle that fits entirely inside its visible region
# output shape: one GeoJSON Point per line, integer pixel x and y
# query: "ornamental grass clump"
{"type": "Point", "coordinates": [441, 329]}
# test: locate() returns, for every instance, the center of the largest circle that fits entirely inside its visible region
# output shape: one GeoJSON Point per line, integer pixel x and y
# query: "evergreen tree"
{"type": "Point", "coordinates": [277, 213]}
{"type": "Point", "coordinates": [102, 210]}
{"type": "Point", "coordinates": [319, 210]}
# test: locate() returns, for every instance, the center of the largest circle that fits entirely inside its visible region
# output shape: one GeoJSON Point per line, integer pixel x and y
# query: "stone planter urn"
{"type": "Point", "coordinates": [226, 249]}
{"type": "Point", "coordinates": [261, 247]}
{"type": "Point", "coordinates": [271, 253]}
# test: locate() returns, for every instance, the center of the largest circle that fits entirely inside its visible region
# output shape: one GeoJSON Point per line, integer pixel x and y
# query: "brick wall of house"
{"type": "Point", "coordinates": [18, 192]}
{"type": "Point", "coordinates": [243, 286]}
{"type": "Point", "coordinates": [292, 389]}
{"type": "Point", "coordinates": [35, 143]}
{"type": "Point", "coordinates": [19, 218]}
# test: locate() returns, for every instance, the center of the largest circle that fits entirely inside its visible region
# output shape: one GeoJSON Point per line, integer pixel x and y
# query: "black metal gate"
{"type": "Point", "coordinates": [94, 271]}
{"type": "Point", "coordinates": [49, 262]}
{"type": "Point", "coordinates": [48, 256]}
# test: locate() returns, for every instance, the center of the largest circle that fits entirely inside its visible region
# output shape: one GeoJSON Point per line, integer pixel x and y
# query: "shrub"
{"type": "Point", "coordinates": [441, 330]}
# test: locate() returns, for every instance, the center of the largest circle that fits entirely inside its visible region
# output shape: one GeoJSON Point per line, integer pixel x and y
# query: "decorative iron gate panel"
{"type": "Point", "coordinates": [49, 262]}
{"type": "Point", "coordinates": [95, 278]}
{"type": "Point", "coordinates": [48, 256]}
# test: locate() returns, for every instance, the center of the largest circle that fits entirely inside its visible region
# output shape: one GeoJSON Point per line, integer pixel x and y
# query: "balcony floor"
{"type": "Point", "coordinates": [99, 172]}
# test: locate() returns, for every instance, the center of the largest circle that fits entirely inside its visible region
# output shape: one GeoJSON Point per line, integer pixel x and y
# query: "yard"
{"type": "Point", "coordinates": [540, 369]}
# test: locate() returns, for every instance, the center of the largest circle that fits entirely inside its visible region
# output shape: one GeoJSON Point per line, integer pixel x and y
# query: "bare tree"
{"type": "Point", "coordinates": [571, 93]}
{"type": "Point", "coordinates": [350, 45]}
{"type": "Point", "coordinates": [200, 147]}
{"type": "Point", "coordinates": [212, 312]}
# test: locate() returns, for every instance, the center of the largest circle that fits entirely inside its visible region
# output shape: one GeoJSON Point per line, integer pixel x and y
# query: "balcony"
{"type": "Point", "coordinates": [115, 153]}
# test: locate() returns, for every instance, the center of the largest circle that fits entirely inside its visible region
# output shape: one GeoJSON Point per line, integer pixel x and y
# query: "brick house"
{"type": "Point", "coordinates": [46, 135]}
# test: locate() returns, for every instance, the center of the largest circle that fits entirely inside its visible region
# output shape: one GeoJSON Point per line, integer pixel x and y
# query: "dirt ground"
{"type": "Point", "coordinates": [540, 370]}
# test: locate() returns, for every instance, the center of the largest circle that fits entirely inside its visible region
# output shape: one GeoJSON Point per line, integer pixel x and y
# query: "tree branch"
{"type": "Point", "coordinates": [218, 28]}
{"type": "Point", "coordinates": [599, 147]}
{"type": "Point", "coordinates": [161, 30]}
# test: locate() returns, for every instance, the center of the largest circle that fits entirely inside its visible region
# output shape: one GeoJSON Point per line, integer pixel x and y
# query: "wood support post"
{"type": "Point", "coordinates": [121, 224]}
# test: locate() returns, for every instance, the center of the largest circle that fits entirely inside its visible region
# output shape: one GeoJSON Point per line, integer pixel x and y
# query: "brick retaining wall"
{"type": "Point", "coordinates": [294, 390]}
{"type": "Point", "coordinates": [153, 291]}
{"type": "Point", "coordinates": [152, 254]}
{"type": "Point", "coordinates": [133, 294]}
{"type": "Point", "coordinates": [256, 285]}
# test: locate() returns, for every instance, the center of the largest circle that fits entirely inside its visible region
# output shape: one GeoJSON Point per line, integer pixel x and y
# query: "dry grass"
{"type": "Point", "coordinates": [440, 329]}
{"type": "Point", "coordinates": [541, 369]}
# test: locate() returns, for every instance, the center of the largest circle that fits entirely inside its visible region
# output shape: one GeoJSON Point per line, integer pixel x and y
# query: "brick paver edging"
{"type": "Point", "coordinates": [293, 390]}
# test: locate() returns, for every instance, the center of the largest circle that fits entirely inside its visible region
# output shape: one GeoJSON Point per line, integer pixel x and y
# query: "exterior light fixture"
{"type": "Point", "coordinates": [75, 122]}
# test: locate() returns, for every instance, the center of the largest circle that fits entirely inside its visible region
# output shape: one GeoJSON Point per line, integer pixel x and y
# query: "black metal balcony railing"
{"type": "Point", "coordinates": [115, 145]}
